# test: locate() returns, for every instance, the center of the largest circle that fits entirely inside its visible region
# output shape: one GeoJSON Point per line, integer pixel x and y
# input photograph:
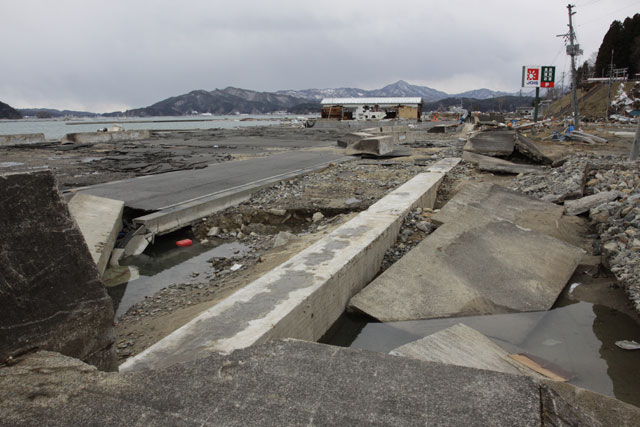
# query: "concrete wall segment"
{"type": "Point", "coordinates": [304, 296]}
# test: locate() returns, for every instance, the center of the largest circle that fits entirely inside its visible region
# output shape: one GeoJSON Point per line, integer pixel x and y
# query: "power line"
{"type": "Point", "coordinates": [605, 16]}
{"type": "Point", "coordinates": [589, 3]}
{"type": "Point", "coordinates": [557, 55]}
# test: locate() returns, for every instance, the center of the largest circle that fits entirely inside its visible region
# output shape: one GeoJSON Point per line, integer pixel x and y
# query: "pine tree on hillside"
{"type": "Point", "coordinates": [611, 41]}
{"type": "Point", "coordinates": [634, 57]}
{"type": "Point", "coordinates": [622, 38]}
{"type": "Point", "coordinates": [632, 39]}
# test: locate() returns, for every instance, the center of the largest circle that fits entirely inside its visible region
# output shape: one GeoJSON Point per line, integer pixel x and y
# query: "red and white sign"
{"type": "Point", "coordinates": [531, 76]}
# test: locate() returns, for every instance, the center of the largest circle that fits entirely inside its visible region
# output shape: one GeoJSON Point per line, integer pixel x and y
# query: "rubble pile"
{"type": "Point", "coordinates": [623, 103]}
{"type": "Point", "coordinates": [416, 226]}
{"type": "Point", "coordinates": [556, 184]}
{"type": "Point", "coordinates": [618, 222]}
{"type": "Point", "coordinates": [361, 183]}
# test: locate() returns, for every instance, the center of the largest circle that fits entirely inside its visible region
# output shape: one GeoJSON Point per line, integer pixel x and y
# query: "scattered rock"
{"type": "Point", "coordinates": [425, 226]}
{"type": "Point", "coordinates": [351, 201]}
{"type": "Point", "coordinates": [576, 207]}
{"type": "Point", "coordinates": [277, 212]}
{"type": "Point", "coordinates": [556, 184]}
{"type": "Point", "coordinates": [282, 238]}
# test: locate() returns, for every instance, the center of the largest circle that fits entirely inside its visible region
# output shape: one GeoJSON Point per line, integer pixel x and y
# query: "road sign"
{"type": "Point", "coordinates": [536, 76]}
{"type": "Point", "coordinates": [548, 77]}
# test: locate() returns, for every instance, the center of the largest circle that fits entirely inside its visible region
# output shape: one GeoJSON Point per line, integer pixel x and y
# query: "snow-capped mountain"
{"type": "Point", "coordinates": [399, 88]}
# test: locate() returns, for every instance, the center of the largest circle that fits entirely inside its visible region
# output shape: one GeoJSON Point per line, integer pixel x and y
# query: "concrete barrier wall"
{"type": "Point", "coordinates": [98, 137]}
{"type": "Point", "coordinates": [357, 125]}
{"type": "Point", "coordinates": [22, 138]}
{"type": "Point", "coordinates": [304, 296]}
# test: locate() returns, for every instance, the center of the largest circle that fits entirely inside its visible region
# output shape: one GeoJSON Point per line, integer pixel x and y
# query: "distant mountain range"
{"type": "Point", "coordinates": [233, 100]}
{"type": "Point", "coordinates": [46, 113]}
{"type": "Point", "coordinates": [223, 101]}
{"type": "Point", "coordinates": [399, 88]}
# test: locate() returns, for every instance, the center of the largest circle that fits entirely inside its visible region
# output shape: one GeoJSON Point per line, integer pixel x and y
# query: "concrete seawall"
{"type": "Point", "coordinates": [21, 138]}
{"type": "Point", "coordinates": [303, 297]}
{"type": "Point", "coordinates": [98, 137]}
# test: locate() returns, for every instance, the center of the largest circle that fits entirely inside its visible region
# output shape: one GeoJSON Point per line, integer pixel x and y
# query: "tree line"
{"type": "Point", "coordinates": [620, 46]}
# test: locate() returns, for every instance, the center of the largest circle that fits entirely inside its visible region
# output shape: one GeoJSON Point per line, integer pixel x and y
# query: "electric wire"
{"type": "Point", "coordinates": [606, 15]}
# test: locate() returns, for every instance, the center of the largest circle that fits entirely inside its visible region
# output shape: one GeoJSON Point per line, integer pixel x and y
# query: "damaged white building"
{"type": "Point", "coordinates": [408, 108]}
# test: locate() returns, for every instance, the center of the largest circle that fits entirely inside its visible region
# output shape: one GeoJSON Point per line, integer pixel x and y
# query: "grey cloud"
{"type": "Point", "coordinates": [96, 54]}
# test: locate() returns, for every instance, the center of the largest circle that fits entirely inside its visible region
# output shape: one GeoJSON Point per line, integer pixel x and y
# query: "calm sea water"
{"type": "Point", "coordinates": [57, 128]}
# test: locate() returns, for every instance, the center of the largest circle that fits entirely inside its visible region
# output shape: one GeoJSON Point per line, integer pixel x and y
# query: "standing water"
{"type": "Point", "coordinates": [575, 338]}
{"type": "Point", "coordinates": [162, 265]}
{"type": "Point", "coordinates": [57, 128]}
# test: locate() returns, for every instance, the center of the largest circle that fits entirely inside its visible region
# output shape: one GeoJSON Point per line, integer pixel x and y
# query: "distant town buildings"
{"type": "Point", "coordinates": [409, 108]}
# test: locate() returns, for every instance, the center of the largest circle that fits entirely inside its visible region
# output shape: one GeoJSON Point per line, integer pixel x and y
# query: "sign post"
{"type": "Point", "coordinates": [536, 76]}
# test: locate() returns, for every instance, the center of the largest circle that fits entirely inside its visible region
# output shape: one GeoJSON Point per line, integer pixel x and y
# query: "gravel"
{"type": "Point", "coordinates": [617, 223]}
{"type": "Point", "coordinates": [555, 184]}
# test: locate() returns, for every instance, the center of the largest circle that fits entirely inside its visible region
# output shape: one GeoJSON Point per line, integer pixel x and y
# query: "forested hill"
{"type": "Point", "coordinates": [623, 38]}
{"type": "Point", "coordinates": [7, 112]}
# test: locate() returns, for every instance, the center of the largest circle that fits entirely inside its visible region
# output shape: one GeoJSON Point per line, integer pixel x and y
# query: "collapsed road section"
{"type": "Point", "coordinates": [177, 199]}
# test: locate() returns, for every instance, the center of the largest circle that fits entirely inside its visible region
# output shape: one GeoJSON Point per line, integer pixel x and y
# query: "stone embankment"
{"type": "Point", "coordinates": [617, 222]}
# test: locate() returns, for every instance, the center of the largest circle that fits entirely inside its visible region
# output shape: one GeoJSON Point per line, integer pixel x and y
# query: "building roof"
{"type": "Point", "coordinates": [372, 101]}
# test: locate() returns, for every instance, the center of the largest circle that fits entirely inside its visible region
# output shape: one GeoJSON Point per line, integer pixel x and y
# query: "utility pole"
{"type": "Point", "coordinates": [572, 50]}
{"type": "Point", "coordinates": [606, 117]}
{"type": "Point", "coordinates": [635, 147]}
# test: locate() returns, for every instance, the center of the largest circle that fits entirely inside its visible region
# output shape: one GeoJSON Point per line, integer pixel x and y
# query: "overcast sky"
{"type": "Point", "coordinates": [113, 55]}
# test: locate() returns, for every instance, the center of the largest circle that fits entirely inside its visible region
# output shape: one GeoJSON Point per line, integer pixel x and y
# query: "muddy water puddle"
{"type": "Point", "coordinates": [576, 339]}
{"type": "Point", "coordinates": [162, 265]}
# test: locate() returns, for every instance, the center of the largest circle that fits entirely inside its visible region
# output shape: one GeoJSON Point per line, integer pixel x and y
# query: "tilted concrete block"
{"type": "Point", "coordinates": [50, 292]}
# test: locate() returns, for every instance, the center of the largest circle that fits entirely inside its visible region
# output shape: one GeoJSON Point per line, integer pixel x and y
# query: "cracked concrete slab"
{"type": "Point", "coordinates": [100, 220]}
{"type": "Point", "coordinates": [492, 143]}
{"type": "Point", "coordinates": [484, 199]}
{"type": "Point", "coordinates": [461, 345]}
{"type": "Point", "coordinates": [579, 206]}
{"type": "Point", "coordinates": [528, 147]}
{"type": "Point", "coordinates": [494, 164]}
{"type": "Point", "coordinates": [345, 140]}
{"type": "Point", "coordinates": [476, 265]}
{"type": "Point", "coordinates": [374, 145]}
{"type": "Point", "coordinates": [292, 383]}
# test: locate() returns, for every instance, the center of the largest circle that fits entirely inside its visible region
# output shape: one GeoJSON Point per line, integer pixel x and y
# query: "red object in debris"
{"type": "Point", "coordinates": [185, 242]}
